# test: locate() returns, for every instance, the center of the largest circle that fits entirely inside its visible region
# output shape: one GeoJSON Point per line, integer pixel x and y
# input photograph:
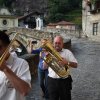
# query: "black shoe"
{"type": "Point", "coordinates": [42, 94]}
{"type": "Point", "coordinates": [46, 98]}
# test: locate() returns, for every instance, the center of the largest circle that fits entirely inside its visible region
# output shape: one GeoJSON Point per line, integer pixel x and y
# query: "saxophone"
{"type": "Point", "coordinates": [52, 60]}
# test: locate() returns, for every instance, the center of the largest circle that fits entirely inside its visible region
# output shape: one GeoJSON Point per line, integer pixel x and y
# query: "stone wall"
{"type": "Point", "coordinates": [26, 34]}
{"type": "Point", "coordinates": [88, 19]}
{"type": "Point", "coordinates": [75, 33]}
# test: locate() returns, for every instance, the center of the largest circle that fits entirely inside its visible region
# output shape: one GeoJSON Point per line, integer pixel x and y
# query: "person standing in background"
{"type": "Point", "coordinates": [42, 71]}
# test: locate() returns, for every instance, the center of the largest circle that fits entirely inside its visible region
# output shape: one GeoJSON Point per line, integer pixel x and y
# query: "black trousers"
{"type": "Point", "coordinates": [59, 89]}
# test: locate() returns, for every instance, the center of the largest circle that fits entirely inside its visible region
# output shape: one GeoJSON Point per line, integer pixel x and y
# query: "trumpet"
{"type": "Point", "coordinates": [4, 55]}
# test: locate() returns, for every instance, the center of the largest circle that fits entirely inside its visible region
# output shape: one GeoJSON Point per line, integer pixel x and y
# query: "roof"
{"type": "Point", "coordinates": [30, 14]}
{"type": "Point", "coordinates": [8, 16]}
{"type": "Point", "coordinates": [61, 23]}
{"type": "Point", "coordinates": [64, 23]}
{"type": "Point", "coordinates": [52, 24]}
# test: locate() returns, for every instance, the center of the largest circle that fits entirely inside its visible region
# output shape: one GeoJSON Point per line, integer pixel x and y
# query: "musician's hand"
{"type": "Point", "coordinates": [63, 62]}
{"type": "Point", "coordinates": [3, 66]}
{"type": "Point", "coordinates": [46, 53]}
{"type": "Point", "coordinates": [45, 65]}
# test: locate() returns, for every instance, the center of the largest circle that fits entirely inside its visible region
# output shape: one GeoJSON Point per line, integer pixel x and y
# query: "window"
{"type": "Point", "coordinates": [97, 4]}
{"type": "Point", "coordinates": [38, 23]}
{"type": "Point", "coordinates": [95, 28]}
{"type": "Point", "coordinates": [95, 7]}
{"type": "Point", "coordinates": [4, 22]}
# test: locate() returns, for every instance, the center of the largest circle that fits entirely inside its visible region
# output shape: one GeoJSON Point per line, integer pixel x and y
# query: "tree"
{"type": "Point", "coordinates": [59, 8]}
{"type": "Point", "coordinates": [6, 3]}
{"type": "Point", "coordinates": [2, 2]}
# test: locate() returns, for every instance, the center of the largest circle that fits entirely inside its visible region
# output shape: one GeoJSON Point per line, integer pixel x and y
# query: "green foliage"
{"type": "Point", "coordinates": [64, 10]}
{"type": "Point", "coordinates": [2, 2]}
{"type": "Point", "coordinates": [93, 1]}
{"type": "Point", "coordinates": [6, 3]}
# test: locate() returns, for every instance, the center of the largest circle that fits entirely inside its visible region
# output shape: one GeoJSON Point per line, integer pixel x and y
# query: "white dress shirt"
{"type": "Point", "coordinates": [21, 68]}
{"type": "Point", "coordinates": [65, 53]}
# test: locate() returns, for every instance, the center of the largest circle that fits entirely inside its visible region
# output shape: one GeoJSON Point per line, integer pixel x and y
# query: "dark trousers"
{"type": "Point", "coordinates": [59, 89]}
{"type": "Point", "coordinates": [42, 76]}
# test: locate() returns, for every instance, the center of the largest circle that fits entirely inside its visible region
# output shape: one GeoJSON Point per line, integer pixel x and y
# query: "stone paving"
{"type": "Point", "coordinates": [35, 93]}
{"type": "Point", "coordinates": [86, 78]}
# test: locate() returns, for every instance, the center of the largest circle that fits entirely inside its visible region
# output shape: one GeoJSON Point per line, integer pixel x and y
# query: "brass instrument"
{"type": "Point", "coordinates": [52, 60]}
{"type": "Point", "coordinates": [4, 55]}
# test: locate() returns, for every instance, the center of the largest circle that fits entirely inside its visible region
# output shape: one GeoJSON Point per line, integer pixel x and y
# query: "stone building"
{"type": "Point", "coordinates": [62, 25]}
{"type": "Point", "coordinates": [29, 20]}
{"type": "Point", "coordinates": [91, 17]}
{"type": "Point", "coordinates": [7, 20]}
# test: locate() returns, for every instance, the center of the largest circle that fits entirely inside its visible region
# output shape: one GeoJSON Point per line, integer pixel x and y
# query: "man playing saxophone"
{"type": "Point", "coordinates": [14, 73]}
{"type": "Point", "coordinates": [60, 88]}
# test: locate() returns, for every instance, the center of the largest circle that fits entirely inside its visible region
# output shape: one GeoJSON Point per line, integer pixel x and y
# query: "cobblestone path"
{"type": "Point", "coordinates": [35, 93]}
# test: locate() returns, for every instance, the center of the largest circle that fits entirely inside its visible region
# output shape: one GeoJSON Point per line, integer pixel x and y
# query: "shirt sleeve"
{"type": "Point", "coordinates": [24, 72]}
{"type": "Point", "coordinates": [70, 56]}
